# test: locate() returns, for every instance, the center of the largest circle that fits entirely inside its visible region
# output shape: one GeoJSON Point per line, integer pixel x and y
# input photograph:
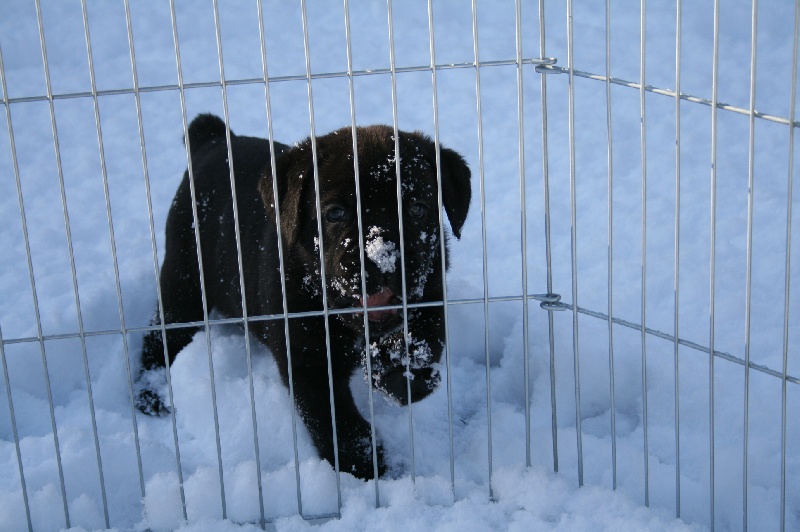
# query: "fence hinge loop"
{"type": "Point", "coordinates": [545, 65]}
{"type": "Point", "coordinates": [549, 302]}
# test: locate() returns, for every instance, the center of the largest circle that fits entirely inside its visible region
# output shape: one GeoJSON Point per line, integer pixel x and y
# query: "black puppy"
{"type": "Point", "coordinates": [394, 364]}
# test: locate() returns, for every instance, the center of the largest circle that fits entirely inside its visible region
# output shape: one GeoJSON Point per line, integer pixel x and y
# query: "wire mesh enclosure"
{"type": "Point", "coordinates": [620, 309]}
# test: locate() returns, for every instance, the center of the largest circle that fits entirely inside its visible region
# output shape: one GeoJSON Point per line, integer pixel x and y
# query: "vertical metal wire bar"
{"type": "Point", "coordinates": [548, 246]}
{"type": "Point", "coordinates": [713, 255]}
{"type": "Point", "coordinates": [363, 272]}
{"type": "Point", "coordinates": [399, 192]}
{"type": "Point", "coordinates": [196, 222]}
{"type": "Point", "coordinates": [574, 241]}
{"type": "Point", "coordinates": [442, 248]}
{"type": "Point", "coordinates": [613, 408]}
{"type": "Point", "coordinates": [123, 328]}
{"type": "Point", "coordinates": [71, 256]}
{"type": "Point", "coordinates": [642, 97]}
{"type": "Point", "coordinates": [360, 225]}
{"type": "Point", "coordinates": [281, 260]}
{"type": "Point", "coordinates": [237, 234]}
{"type": "Point", "coordinates": [677, 263]}
{"type": "Point", "coordinates": [787, 281]}
{"type": "Point", "coordinates": [112, 241]}
{"type": "Point", "coordinates": [523, 229]}
{"type": "Point", "coordinates": [749, 267]}
{"type": "Point", "coordinates": [482, 184]}
{"type": "Point", "coordinates": [398, 169]}
{"type": "Point", "coordinates": [326, 317]}
{"type": "Point", "coordinates": [154, 251]}
{"type": "Point", "coordinates": [13, 418]}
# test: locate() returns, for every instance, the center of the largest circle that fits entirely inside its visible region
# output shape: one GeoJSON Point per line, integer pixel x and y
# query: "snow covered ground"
{"type": "Point", "coordinates": [532, 498]}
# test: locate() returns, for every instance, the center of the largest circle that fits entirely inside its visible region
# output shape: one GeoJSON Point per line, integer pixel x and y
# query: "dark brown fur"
{"type": "Point", "coordinates": [180, 277]}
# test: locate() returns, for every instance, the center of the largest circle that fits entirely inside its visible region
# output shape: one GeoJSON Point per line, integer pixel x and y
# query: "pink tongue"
{"type": "Point", "coordinates": [380, 299]}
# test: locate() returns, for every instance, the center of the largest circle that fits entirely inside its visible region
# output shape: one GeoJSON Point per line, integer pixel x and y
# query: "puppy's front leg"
{"type": "Point", "coordinates": [353, 431]}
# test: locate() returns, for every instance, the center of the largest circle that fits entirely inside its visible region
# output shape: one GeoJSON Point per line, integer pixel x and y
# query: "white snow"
{"type": "Point", "coordinates": [525, 498]}
{"type": "Point", "coordinates": [383, 253]}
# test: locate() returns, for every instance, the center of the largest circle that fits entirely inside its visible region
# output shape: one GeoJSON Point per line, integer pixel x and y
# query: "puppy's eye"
{"type": "Point", "coordinates": [336, 214]}
{"type": "Point", "coordinates": [418, 210]}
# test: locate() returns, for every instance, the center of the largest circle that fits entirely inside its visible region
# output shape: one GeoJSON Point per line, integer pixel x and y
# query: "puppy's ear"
{"type": "Point", "coordinates": [293, 172]}
{"type": "Point", "coordinates": [456, 188]}
{"type": "Point", "coordinates": [205, 128]}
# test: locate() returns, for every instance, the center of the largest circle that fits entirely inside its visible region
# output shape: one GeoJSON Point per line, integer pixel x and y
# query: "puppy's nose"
{"type": "Point", "coordinates": [382, 252]}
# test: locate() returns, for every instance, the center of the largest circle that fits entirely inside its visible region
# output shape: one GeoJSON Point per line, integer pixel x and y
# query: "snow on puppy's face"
{"type": "Point", "coordinates": [397, 235]}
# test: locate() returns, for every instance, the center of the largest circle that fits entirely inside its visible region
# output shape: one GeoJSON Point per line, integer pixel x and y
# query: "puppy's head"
{"type": "Point", "coordinates": [401, 238]}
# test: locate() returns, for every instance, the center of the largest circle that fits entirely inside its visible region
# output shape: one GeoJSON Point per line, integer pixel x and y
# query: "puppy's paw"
{"type": "Point", "coordinates": [147, 400]}
{"type": "Point", "coordinates": [394, 471]}
{"type": "Point", "coordinates": [355, 457]}
{"type": "Point", "coordinates": [150, 403]}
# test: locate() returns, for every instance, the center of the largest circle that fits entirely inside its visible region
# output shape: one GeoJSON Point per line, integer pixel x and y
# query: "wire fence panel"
{"type": "Point", "coordinates": [622, 152]}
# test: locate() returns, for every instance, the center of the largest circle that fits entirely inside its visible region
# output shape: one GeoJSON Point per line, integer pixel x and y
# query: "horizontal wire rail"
{"type": "Point", "coordinates": [543, 66]}
{"type": "Point", "coordinates": [549, 306]}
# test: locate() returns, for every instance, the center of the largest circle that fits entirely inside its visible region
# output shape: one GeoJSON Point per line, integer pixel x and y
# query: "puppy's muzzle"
{"type": "Point", "coordinates": [382, 319]}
